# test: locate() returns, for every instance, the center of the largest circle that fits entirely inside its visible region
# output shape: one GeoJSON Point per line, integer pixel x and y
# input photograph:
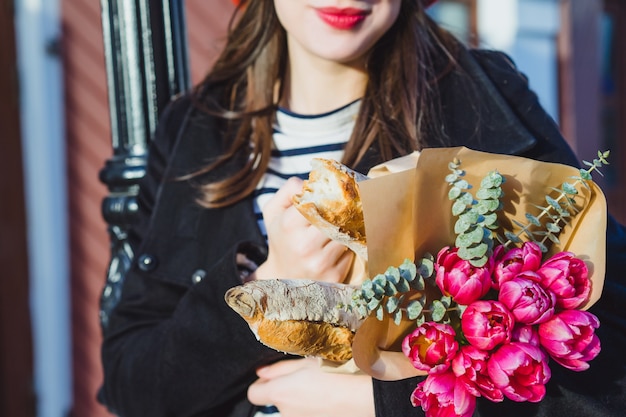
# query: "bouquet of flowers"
{"type": "Point", "coordinates": [493, 308]}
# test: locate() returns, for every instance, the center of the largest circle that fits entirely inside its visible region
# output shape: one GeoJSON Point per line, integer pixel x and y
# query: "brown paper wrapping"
{"type": "Point", "coordinates": [407, 213]}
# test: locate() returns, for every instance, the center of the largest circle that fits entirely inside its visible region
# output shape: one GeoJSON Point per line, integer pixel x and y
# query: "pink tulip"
{"type": "Point", "coordinates": [526, 334]}
{"type": "Point", "coordinates": [459, 279]}
{"type": "Point", "coordinates": [431, 347]}
{"type": "Point", "coordinates": [570, 339]}
{"type": "Point", "coordinates": [526, 299]}
{"type": "Point", "coordinates": [509, 264]}
{"type": "Point", "coordinates": [470, 366]}
{"type": "Point", "coordinates": [487, 324]}
{"type": "Point", "coordinates": [520, 370]}
{"type": "Point", "coordinates": [568, 278]}
{"type": "Point", "coordinates": [443, 395]}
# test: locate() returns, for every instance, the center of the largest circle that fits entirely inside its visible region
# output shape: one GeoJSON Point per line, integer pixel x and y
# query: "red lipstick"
{"type": "Point", "coordinates": [342, 19]}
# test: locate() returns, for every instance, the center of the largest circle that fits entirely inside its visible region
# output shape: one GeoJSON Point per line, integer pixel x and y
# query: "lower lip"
{"type": "Point", "coordinates": [341, 20]}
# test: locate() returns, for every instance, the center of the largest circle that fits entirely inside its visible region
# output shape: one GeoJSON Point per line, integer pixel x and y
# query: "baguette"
{"type": "Point", "coordinates": [300, 317]}
{"type": "Point", "coordinates": [330, 200]}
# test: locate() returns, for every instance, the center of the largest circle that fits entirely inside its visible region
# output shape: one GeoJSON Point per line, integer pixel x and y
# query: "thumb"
{"type": "Point", "coordinates": [283, 367]}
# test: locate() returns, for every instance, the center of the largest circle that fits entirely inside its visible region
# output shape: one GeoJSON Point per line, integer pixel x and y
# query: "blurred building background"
{"type": "Point", "coordinates": [56, 137]}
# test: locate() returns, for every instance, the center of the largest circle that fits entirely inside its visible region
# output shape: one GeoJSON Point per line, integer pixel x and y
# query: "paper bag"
{"type": "Point", "coordinates": [407, 214]}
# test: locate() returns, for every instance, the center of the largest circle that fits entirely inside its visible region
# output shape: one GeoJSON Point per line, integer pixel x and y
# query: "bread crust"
{"type": "Point", "coordinates": [331, 201]}
{"type": "Point", "coordinates": [300, 317]}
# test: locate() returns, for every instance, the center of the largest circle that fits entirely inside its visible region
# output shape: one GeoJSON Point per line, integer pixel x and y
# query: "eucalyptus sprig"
{"type": "Point", "coordinates": [388, 294]}
{"type": "Point", "coordinates": [477, 217]}
{"type": "Point", "coordinates": [558, 210]}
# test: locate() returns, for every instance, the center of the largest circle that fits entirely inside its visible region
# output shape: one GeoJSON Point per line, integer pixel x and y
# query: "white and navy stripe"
{"type": "Point", "coordinates": [297, 140]}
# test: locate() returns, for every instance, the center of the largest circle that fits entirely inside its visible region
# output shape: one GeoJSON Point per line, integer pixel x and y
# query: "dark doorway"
{"type": "Point", "coordinates": [16, 368]}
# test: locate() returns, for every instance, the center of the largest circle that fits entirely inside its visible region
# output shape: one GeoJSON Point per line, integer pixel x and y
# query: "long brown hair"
{"type": "Point", "coordinates": [399, 106]}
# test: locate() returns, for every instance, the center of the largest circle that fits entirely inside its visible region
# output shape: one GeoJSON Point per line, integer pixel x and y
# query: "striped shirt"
{"type": "Point", "coordinates": [297, 140]}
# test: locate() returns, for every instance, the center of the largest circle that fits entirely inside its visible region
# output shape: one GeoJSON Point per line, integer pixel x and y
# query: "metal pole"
{"type": "Point", "coordinates": [145, 50]}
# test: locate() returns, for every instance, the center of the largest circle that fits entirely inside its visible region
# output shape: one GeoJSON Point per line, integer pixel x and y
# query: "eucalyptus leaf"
{"type": "Point", "coordinates": [368, 293]}
{"type": "Point", "coordinates": [362, 309]}
{"type": "Point", "coordinates": [446, 300]}
{"type": "Point", "coordinates": [553, 203]}
{"type": "Point", "coordinates": [426, 267]}
{"type": "Point", "coordinates": [380, 314]}
{"type": "Point", "coordinates": [438, 310]}
{"type": "Point", "coordinates": [461, 226]}
{"type": "Point", "coordinates": [569, 188]}
{"type": "Point", "coordinates": [454, 193]}
{"type": "Point", "coordinates": [397, 317]}
{"type": "Point", "coordinates": [418, 283]}
{"type": "Point", "coordinates": [392, 274]}
{"type": "Point", "coordinates": [403, 285]}
{"type": "Point", "coordinates": [467, 199]}
{"type": "Point", "coordinates": [474, 252]}
{"type": "Point", "coordinates": [379, 281]}
{"type": "Point", "coordinates": [553, 238]}
{"type": "Point", "coordinates": [392, 305]}
{"type": "Point", "coordinates": [487, 182]}
{"type": "Point", "coordinates": [553, 227]}
{"type": "Point", "coordinates": [487, 206]}
{"type": "Point", "coordinates": [512, 237]}
{"type": "Point", "coordinates": [373, 304]}
{"type": "Point", "coordinates": [462, 184]}
{"type": "Point", "coordinates": [379, 290]}
{"type": "Point", "coordinates": [533, 219]}
{"type": "Point", "coordinates": [451, 178]}
{"type": "Point", "coordinates": [492, 179]}
{"type": "Point", "coordinates": [468, 239]}
{"type": "Point", "coordinates": [470, 217]}
{"type": "Point", "coordinates": [458, 207]}
{"type": "Point", "coordinates": [390, 289]}
{"type": "Point", "coordinates": [414, 309]}
{"type": "Point", "coordinates": [520, 224]}
{"type": "Point", "coordinates": [488, 193]}
{"type": "Point", "coordinates": [585, 175]}
{"type": "Point", "coordinates": [367, 285]}
{"type": "Point", "coordinates": [480, 262]}
{"type": "Point", "coordinates": [491, 220]}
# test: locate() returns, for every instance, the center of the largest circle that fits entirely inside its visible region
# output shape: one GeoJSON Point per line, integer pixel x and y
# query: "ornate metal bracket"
{"type": "Point", "coordinates": [145, 47]}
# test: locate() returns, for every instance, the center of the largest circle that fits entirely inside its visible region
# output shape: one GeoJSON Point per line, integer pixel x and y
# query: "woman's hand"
{"type": "Point", "coordinates": [300, 388]}
{"type": "Point", "coordinates": [297, 249]}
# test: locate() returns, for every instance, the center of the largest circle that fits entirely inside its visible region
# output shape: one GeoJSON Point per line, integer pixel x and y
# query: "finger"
{"type": "Point", "coordinates": [293, 218]}
{"type": "Point", "coordinates": [341, 259]}
{"type": "Point", "coordinates": [283, 368]}
{"type": "Point", "coordinates": [259, 393]}
{"type": "Point", "coordinates": [283, 197]}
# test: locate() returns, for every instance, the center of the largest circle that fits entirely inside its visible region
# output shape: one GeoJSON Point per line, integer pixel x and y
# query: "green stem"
{"type": "Point", "coordinates": [545, 211]}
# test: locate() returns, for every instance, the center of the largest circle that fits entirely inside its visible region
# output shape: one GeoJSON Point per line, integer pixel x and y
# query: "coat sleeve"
{"type": "Point", "coordinates": [176, 349]}
{"type": "Point", "coordinates": [599, 391]}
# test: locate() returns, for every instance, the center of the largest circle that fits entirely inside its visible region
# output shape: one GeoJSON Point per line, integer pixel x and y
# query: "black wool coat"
{"type": "Point", "coordinates": [174, 348]}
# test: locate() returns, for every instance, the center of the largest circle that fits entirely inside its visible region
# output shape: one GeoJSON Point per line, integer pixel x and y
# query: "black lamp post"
{"type": "Point", "coordinates": [145, 49]}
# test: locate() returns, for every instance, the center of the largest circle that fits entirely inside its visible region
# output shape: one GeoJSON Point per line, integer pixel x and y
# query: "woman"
{"type": "Point", "coordinates": [361, 81]}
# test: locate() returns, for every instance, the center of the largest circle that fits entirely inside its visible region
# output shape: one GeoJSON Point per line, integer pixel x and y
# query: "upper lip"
{"type": "Point", "coordinates": [346, 11]}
